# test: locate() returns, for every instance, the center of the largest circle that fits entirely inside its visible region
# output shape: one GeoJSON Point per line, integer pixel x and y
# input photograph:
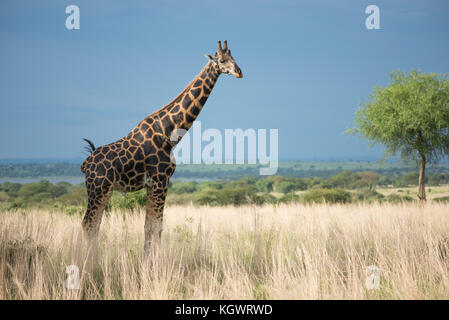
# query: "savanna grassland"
{"type": "Point", "coordinates": [285, 251]}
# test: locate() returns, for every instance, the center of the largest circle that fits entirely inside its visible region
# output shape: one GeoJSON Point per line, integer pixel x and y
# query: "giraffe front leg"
{"type": "Point", "coordinates": [154, 215]}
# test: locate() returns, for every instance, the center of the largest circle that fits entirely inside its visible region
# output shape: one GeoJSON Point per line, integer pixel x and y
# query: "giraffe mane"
{"type": "Point", "coordinates": [187, 88]}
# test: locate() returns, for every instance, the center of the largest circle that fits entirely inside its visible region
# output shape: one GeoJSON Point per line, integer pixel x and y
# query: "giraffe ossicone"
{"type": "Point", "coordinates": [142, 159]}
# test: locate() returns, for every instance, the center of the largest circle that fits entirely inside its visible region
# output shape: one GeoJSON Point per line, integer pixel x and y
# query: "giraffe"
{"type": "Point", "coordinates": [142, 159]}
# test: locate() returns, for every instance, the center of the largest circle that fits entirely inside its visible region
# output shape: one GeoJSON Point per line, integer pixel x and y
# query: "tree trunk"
{"type": "Point", "coordinates": [422, 179]}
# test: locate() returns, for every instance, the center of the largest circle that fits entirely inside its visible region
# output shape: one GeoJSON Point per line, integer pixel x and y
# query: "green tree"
{"type": "Point", "coordinates": [184, 187]}
{"type": "Point", "coordinates": [287, 187]}
{"type": "Point", "coordinates": [265, 185]}
{"type": "Point", "coordinates": [385, 181]}
{"type": "Point", "coordinates": [326, 195]}
{"type": "Point", "coordinates": [30, 190]}
{"type": "Point", "coordinates": [438, 179]}
{"type": "Point", "coordinates": [345, 180]}
{"type": "Point", "coordinates": [409, 179]}
{"type": "Point", "coordinates": [292, 184]}
{"type": "Point", "coordinates": [370, 178]}
{"type": "Point", "coordinates": [411, 117]}
{"type": "Point", "coordinates": [9, 187]}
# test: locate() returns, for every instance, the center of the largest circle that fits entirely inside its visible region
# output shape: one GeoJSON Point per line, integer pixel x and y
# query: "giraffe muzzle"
{"type": "Point", "coordinates": [238, 73]}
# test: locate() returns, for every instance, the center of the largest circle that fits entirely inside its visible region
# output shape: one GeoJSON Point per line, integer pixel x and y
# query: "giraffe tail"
{"type": "Point", "coordinates": [91, 148]}
{"type": "Point", "coordinates": [83, 166]}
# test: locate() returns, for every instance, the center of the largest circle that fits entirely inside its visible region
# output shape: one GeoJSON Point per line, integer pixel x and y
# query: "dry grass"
{"type": "Point", "coordinates": [287, 252]}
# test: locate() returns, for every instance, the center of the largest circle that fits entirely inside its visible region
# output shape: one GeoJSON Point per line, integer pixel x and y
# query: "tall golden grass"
{"type": "Point", "coordinates": [284, 252]}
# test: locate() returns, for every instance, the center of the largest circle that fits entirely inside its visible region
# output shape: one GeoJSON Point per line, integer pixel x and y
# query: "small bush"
{"type": "Point", "coordinates": [441, 199]}
{"type": "Point", "coordinates": [264, 185]}
{"type": "Point", "coordinates": [289, 198]}
{"type": "Point", "coordinates": [184, 187]}
{"type": "Point", "coordinates": [367, 195]}
{"type": "Point", "coordinates": [3, 196]}
{"type": "Point", "coordinates": [326, 195]}
{"type": "Point", "coordinates": [129, 201]}
{"type": "Point", "coordinates": [396, 198]}
{"type": "Point", "coordinates": [228, 196]}
{"type": "Point", "coordinates": [72, 211]}
{"type": "Point", "coordinates": [288, 186]}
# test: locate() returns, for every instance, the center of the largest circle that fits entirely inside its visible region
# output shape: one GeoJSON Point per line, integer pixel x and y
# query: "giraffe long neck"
{"type": "Point", "coordinates": [185, 108]}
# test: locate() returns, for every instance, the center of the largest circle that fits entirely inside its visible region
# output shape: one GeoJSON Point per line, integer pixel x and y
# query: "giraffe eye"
{"type": "Point", "coordinates": [221, 61]}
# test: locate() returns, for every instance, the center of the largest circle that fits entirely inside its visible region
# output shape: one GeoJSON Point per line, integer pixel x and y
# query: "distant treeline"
{"type": "Point", "coordinates": [298, 169]}
{"type": "Point", "coordinates": [344, 187]}
{"type": "Point", "coordinates": [39, 170]}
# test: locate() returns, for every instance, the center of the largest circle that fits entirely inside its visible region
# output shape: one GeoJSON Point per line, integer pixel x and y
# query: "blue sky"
{"type": "Point", "coordinates": [307, 66]}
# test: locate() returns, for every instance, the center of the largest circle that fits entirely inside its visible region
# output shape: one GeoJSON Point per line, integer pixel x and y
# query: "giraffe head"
{"type": "Point", "coordinates": [224, 62]}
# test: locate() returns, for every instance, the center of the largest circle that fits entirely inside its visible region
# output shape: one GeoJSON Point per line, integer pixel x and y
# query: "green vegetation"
{"type": "Point", "coordinates": [410, 117]}
{"type": "Point", "coordinates": [326, 195]}
{"type": "Point", "coordinates": [299, 169]}
{"type": "Point", "coordinates": [42, 194]}
{"type": "Point", "coordinates": [442, 199]}
{"type": "Point", "coordinates": [344, 187]}
{"type": "Point", "coordinates": [31, 170]}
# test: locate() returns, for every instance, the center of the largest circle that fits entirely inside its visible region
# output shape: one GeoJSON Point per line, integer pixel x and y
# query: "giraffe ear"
{"type": "Point", "coordinates": [211, 58]}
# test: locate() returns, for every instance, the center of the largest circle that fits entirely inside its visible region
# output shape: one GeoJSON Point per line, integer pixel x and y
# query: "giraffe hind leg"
{"type": "Point", "coordinates": [98, 197]}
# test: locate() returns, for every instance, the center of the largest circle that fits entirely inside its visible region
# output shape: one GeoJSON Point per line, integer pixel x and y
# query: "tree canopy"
{"type": "Point", "coordinates": [410, 116]}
